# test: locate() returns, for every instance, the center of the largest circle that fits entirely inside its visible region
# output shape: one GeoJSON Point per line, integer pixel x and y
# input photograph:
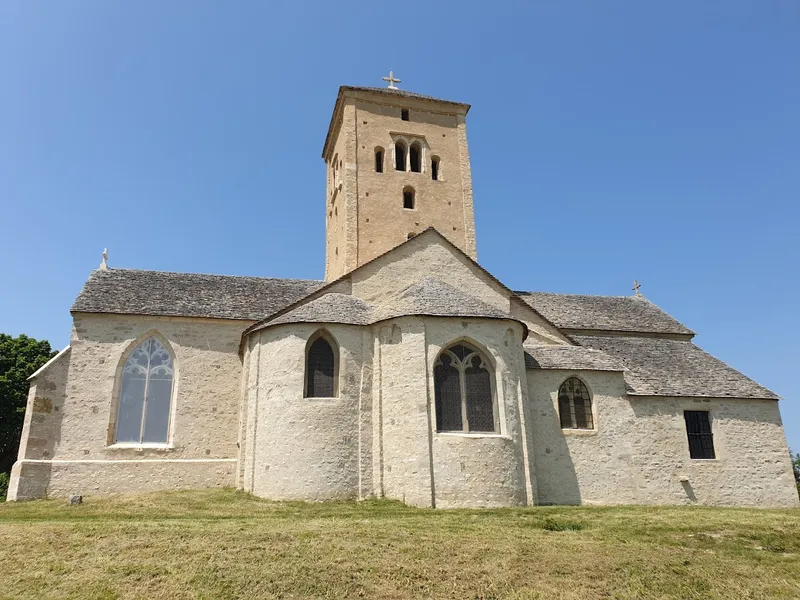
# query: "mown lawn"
{"type": "Point", "coordinates": [225, 544]}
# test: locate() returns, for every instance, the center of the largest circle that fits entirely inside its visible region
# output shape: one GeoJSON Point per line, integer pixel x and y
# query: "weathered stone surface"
{"type": "Point", "coordinates": [74, 499]}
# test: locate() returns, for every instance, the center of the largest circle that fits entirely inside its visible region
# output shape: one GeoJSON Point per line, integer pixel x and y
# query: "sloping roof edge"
{"type": "Point", "coordinates": [41, 369]}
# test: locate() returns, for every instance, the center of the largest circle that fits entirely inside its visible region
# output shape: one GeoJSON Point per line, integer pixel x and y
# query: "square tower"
{"type": "Point", "coordinates": [397, 163]}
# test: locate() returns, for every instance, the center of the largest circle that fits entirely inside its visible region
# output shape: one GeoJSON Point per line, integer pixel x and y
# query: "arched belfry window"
{"type": "Point", "coordinates": [575, 405]}
{"type": "Point", "coordinates": [400, 156]}
{"type": "Point", "coordinates": [415, 157]}
{"type": "Point", "coordinates": [463, 391]}
{"type": "Point", "coordinates": [145, 394]}
{"type": "Point", "coordinates": [322, 367]}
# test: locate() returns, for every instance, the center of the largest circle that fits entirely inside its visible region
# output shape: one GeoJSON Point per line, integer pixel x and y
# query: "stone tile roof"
{"type": "Point", "coordinates": [131, 291]}
{"type": "Point", "coordinates": [570, 358]}
{"type": "Point", "coordinates": [428, 297]}
{"type": "Point", "coordinates": [433, 297]}
{"type": "Point", "coordinates": [329, 308]}
{"type": "Point", "coordinates": [604, 313]}
{"type": "Point", "coordinates": [667, 367]}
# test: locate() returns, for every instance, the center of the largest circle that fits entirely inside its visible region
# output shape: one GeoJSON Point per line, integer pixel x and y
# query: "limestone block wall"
{"type": "Point", "coordinates": [639, 453]}
{"type": "Point", "coordinates": [752, 467]}
{"type": "Point", "coordinates": [472, 470]}
{"type": "Point", "coordinates": [583, 466]}
{"type": "Point", "coordinates": [42, 425]}
{"type": "Point", "coordinates": [445, 203]}
{"type": "Point", "coordinates": [202, 447]}
{"type": "Point", "coordinates": [403, 413]}
{"type": "Point", "coordinates": [304, 448]}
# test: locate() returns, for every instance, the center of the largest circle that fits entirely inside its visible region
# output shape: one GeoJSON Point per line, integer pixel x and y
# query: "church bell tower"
{"type": "Point", "coordinates": [397, 163]}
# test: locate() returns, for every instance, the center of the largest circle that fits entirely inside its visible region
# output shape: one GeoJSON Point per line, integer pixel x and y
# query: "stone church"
{"type": "Point", "coordinates": [409, 373]}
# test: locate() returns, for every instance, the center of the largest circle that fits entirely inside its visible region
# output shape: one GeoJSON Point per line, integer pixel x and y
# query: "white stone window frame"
{"type": "Point", "coordinates": [111, 435]}
{"type": "Point", "coordinates": [595, 416]}
{"type": "Point", "coordinates": [424, 152]}
{"type": "Point", "coordinates": [328, 337]}
{"type": "Point", "coordinates": [497, 406]}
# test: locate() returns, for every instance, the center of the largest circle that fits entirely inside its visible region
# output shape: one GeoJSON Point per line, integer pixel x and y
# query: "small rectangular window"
{"type": "Point", "coordinates": [404, 114]}
{"type": "Point", "coordinates": [698, 430]}
{"type": "Point", "coordinates": [435, 169]}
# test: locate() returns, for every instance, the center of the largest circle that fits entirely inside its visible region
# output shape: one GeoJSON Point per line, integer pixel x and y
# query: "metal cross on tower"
{"type": "Point", "coordinates": [636, 286]}
{"type": "Point", "coordinates": [391, 81]}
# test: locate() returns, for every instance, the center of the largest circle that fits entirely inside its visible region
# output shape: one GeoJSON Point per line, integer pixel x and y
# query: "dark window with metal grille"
{"type": "Point", "coordinates": [408, 197]}
{"type": "Point", "coordinates": [698, 430]}
{"type": "Point", "coordinates": [414, 156]}
{"type": "Point", "coordinates": [575, 405]}
{"type": "Point", "coordinates": [320, 370]}
{"type": "Point", "coordinates": [463, 391]}
{"type": "Point", "coordinates": [400, 156]}
{"type": "Point", "coordinates": [404, 114]}
{"type": "Point", "coordinates": [379, 160]}
{"type": "Point", "coordinates": [435, 169]}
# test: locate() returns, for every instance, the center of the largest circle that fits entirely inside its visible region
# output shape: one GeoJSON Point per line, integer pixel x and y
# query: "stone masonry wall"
{"type": "Point", "coordinates": [202, 449]}
{"type": "Point", "coordinates": [302, 448]}
{"type": "Point", "coordinates": [639, 454]}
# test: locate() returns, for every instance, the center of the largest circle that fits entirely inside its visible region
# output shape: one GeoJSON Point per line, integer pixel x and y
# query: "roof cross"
{"type": "Point", "coordinates": [636, 286]}
{"type": "Point", "coordinates": [104, 264]}
{"type": "Point", "coordinates": [391, 81]}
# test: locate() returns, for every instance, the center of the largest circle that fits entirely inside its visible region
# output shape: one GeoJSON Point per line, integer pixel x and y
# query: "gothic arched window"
{"type": "Point", "coordinates": [145, 395]}
{"type": "Point", "coordinates": [575, 405]}
{"type": "Point", "coordinates": [462, 380]}
{"type": "Point", "coordinates": [400, 156]}
{"type": "Point", "coordinates": [415, 157]}
{"type": "Point", "coordinates": [322, 367]}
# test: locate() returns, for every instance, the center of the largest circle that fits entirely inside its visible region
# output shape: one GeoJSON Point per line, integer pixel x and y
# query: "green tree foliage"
{"type": "Point", "coordinates": [796, 467]}
{"type": "Point", "coordinates": [19, 358]}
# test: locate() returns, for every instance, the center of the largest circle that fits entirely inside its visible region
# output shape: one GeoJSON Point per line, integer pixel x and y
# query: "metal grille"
{"type": "Point", "coordinates": [698, 430]}
{"type": "Point", "coordinates": [575, 405]}
{"type": "Point", "coordinates": [320, 370]}
{"type": "Point", "coordinates": [463, 391]}
{"type": "Point", "coordinates": [448, 395]}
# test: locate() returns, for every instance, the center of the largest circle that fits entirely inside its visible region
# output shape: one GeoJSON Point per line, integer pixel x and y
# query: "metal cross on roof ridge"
{"type": "Point", "coordinates": [636, 286]}
{"type": "Point", "coordinates": [392, 81]}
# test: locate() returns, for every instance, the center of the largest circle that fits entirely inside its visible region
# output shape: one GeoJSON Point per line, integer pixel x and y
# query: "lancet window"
{"type": "Point", "coordinates": [463, 390]}
{"type": "Point", "coordinates": [145, 396]}
{"type": "Point", "coordinates": [322, 367]}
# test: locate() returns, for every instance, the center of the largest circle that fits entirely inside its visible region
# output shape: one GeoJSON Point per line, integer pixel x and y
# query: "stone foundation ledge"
{"type": "Point", "coordinates": [32, 479]}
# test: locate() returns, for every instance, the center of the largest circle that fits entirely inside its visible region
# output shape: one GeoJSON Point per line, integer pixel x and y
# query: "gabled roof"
{"type": "Point", "coordinates": [604, 313]}
{"type": "Point", "coordinates": [318, 292]}
{"type": "Point", "coordinates": [668, 367]}
{"type": "Point", "coordinates": [135, 292]}
{"type": "Point", "coordinates": [572, 358]}
{"type": "Point", "coordinates": [429, 297]}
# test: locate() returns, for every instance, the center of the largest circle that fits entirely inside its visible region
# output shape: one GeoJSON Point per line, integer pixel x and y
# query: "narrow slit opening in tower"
{"type": "Point", "coordinates": [408, 198]}
{"type": "Point", "coordinates": [435, 169]}
{"type": "Point", "coordinates": [379, 161]}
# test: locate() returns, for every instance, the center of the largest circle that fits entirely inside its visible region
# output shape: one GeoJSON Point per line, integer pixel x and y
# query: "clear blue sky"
{"type": "Point", "coordinates": [609, 141]}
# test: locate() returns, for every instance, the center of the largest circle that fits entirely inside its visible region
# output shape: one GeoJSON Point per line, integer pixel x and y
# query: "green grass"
{"type": "Point", "coordinates": [224, 544]}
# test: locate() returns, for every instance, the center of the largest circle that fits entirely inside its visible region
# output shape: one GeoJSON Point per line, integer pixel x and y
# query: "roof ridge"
{"type": "Point", "coordinates": [128, 270]}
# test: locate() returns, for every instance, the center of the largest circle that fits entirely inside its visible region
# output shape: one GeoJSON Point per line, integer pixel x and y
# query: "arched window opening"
{"type": "Point", "coordinates": [400, 156]}
{"type": "Point", "coordinates": [435, 168]}
{"type": "Point", "coordinates": [321, 368]}
{"type": "Point", "coordinates": [145, 395]}
{"type": "Point", "coordinates": [414, 157]}
{"type": "Point", "coordinates": [379, 160]}
{"type": "Point", "coordinates": [463, 391]}
{"type": "Point", "coordinates": [575, 405]}
{"type": "Point", "coordinates": [408, 197]}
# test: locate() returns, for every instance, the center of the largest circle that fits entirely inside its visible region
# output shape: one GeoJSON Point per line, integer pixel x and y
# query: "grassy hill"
{"type": "Point", "coordinates": [224, 544]}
